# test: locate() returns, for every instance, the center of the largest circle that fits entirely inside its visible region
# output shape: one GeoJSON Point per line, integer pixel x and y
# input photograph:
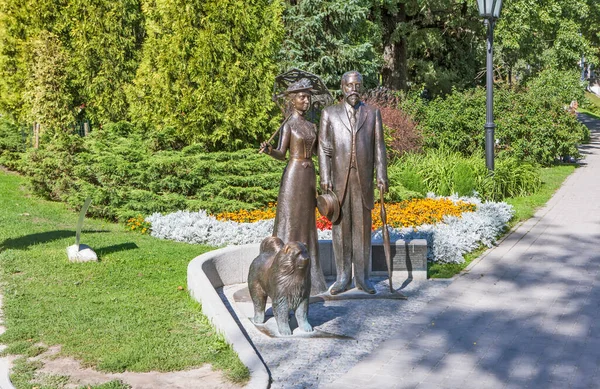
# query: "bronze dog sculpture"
{"type": "Point", "coordinates": [281, 272]}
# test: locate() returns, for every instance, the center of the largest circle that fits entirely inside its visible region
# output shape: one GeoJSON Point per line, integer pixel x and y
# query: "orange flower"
{"type": "Point", "coordinates": [408, 213]}
{"type": "Point", "coordinates": [412, 213]}
{"type": "Point", "coordinates": [244, 216]}
{"type": "Point", "coordinates": [138, 223]}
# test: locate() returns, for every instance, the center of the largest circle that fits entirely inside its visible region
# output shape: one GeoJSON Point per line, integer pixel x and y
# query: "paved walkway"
{"type": "Point", "coordinates": [360, 327]}
{"type": "Point", "coordinates": [527, 315]}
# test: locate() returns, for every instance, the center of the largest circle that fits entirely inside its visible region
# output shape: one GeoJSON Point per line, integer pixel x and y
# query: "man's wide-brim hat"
{"type": "Point", "coordinates": [329, 206]}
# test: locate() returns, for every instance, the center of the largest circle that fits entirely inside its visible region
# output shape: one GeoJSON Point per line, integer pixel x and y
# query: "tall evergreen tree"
{"type": "Point", "coordinates": [47, 98]}
{"type": "Point", "coordinates": [100, 40]}
{"type": "Point", "coordinates": [330, 37]}
{"type": "Point", "coordinates": [105, 39]}
{"type": "Point", "coordinates": [21, 22]}
{"type": "Point", "coordinates": [208, 69]}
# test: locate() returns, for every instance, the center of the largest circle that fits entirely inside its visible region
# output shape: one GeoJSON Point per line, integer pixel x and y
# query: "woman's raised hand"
{"type": "Point", "coordinates": [265, 147]}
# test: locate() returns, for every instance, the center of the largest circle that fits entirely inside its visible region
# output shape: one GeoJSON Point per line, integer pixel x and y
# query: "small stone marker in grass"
{"type": "Point", "coordinates": [81, 252]}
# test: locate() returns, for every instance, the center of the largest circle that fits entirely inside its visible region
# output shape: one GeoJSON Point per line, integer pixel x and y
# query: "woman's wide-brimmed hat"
{"type": "Point", "coordinates": [296, 80]}
{"type": "Point", "coordinates": [329, 206]}
{"type": "Point", "coordinates": [302, 85]}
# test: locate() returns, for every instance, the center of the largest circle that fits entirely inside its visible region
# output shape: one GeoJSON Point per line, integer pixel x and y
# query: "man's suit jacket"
{"type": "Point", "coordinates": [335, 148]}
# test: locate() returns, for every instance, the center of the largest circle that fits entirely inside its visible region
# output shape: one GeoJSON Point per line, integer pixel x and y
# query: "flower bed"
{"type": "Point", "coordinates": [452, 226]}
{"type": "Point", "coordinates": [408, 213]}
{"type": "Point", "coordinates": [455, 236]}
{"type": "Point", "coordinates": [243, 216]}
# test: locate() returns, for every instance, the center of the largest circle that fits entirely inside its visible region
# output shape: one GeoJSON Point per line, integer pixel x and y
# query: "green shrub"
{"type": "Point", "coordinates": [408, 178]}
{"type": "Point", "coordinates": [532, 124]}
{"type": "Point", "coordinates": [556, 87]}
{"type": "Point", "coordinates": [13, 142]}
{"type": "Point", "coordinates": [454, 122]}
{"type": "Point", "coordinates": [463, 177]}
{"type": "Point", "coordinates": [513, 179]}
{"type": "Point", "coordinates": [399, 193]}
{"type": "Point", "coordinates": [51, 167]}
{"type": "Point", "coordinates": [405, 183]}
{"type": "Point", "coordinates": [117, 167]}
{"type": "Point", "coordinates": [11, 138]}
{"type": "Point", "coordinates": [445, 173]}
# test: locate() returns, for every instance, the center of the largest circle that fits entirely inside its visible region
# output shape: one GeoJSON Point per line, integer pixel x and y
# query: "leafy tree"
{"type": "Point", "coordinates": [591, 31]}
{"type": "Point", "coordinates": [331, 37]}
{"type": "Point", "coordinates": [533, 125]}
{"type": "Point", "coordinates": [436, 43]}
{"type": "Point", "coordinates": [534, 35]}
{"type": "Point", "coordinates": [396, 43]}
{"type": "Point", "coordinates": [207, 70]}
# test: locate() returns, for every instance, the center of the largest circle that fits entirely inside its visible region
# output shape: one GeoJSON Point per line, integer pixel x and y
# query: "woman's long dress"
{"type": "Point", "coordinates": [296, 203]}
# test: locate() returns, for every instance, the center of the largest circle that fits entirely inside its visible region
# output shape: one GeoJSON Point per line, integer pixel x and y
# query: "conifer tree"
{"type": "Point", "coordinates": [330, 37]}
{"type": "Point", "coordinates": [47, 98]}
{"type": "Point", "coordinates": [100, 40]}
{"type": "Point", "coordinates": [105, 38]}
{"type": "Point", "coordinates": [208, 69]}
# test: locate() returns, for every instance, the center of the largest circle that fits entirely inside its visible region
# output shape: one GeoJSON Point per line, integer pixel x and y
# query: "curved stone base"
{"type": "Point", "coordinates": [230, 265]}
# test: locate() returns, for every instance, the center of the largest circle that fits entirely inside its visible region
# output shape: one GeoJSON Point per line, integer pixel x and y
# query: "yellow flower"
{"type": "Point", "coordinates": [408, 213]}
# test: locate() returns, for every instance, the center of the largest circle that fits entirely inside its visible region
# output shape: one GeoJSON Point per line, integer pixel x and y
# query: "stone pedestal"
{"type": "Point", "coordinates": [409, 259]}
{"type": "Point", "coordinates": [81, 253]}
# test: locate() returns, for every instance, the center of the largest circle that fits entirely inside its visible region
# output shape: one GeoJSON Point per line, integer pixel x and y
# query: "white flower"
{"type": "Point", "coordinates": [447, 240]}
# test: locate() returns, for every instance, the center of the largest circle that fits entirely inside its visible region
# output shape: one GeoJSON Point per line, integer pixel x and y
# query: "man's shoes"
{"type": "Point", "coordinates": [365, 286]}
{"type": "Point", "coordinates": [339, 287]}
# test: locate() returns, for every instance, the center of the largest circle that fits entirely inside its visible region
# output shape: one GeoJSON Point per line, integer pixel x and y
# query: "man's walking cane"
{"type": "Point", "coordinates": [387, 249]}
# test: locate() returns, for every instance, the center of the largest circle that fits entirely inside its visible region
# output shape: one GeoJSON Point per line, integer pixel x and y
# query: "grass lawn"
{"type": "Point", "coordinates": [593, 108]}
{"type": "Point", "coordinates": [129, 311]}
{"type": "Point", "coordinates": [594, 100]}
{"type": "Point", "coordinates": [590, 113]}
{"type": "Point", "coordinates": [525, 207]}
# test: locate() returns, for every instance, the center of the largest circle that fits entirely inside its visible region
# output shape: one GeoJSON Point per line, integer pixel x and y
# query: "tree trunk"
{"type": "Point", "coordinates": [394, 73]}
{"type": "Point", "coordinates": [36, 135]}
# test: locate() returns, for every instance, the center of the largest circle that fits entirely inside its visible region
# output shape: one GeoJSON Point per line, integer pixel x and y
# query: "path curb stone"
{"type": "Point", "coordinates": [4, 361]}
{"type": "Point", "coordinates": [214, 270]}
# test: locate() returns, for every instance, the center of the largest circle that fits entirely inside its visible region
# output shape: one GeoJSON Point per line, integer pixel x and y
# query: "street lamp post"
{"type": "Point", "coordinates": [582, 64]}
{"type": "Point", "coordinates": [490, 11]}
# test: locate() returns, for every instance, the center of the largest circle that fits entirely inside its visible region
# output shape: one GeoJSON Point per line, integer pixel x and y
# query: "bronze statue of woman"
{"type": "Point", "coordinates": [295, 217]}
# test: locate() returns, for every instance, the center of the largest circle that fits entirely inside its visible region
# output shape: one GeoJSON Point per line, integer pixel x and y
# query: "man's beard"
{"type": "Point", "coordinates": [353, 98]}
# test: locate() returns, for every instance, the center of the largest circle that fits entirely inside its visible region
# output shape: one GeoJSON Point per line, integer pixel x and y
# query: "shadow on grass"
{"type": "Point", "coordinates": [116, 248]}
{"type": "Point", "coordinates": [24, 242]}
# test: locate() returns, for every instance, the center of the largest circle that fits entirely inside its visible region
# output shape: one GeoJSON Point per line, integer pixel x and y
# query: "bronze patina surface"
{"type": "Point", "coordinates": [281, 272]}
{"type": "Point", "coordinates": [295, 218]}
{"type": "Point", "coordinates": [351, 149]}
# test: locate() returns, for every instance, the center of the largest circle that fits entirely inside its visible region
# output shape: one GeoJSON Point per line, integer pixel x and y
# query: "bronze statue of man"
{"type": "Point", "coordinates": [351, 148]}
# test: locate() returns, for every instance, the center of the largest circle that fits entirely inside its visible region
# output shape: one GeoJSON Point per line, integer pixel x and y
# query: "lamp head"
{"type": "Point", "coordinates": [489, 9]}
